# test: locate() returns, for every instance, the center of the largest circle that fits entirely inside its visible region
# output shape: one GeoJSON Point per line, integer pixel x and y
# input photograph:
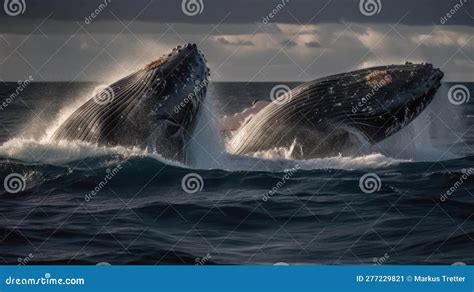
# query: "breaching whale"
{"type": "Point", "coordinates": [339, 113]}
{"type": "Point", "coordinates": [153, 108]}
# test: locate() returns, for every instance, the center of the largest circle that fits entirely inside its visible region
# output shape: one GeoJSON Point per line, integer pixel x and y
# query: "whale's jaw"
{"type": "Point", "coordinates": [153, 108]}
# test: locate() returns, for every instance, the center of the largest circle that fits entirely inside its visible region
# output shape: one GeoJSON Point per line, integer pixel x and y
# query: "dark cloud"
{"type": "Point", "coordinates": [412, 12]}
{"type": "Point", "coordinates": [313, 45]}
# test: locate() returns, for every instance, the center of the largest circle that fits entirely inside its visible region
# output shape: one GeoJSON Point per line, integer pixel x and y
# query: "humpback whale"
{"type": "Point", "coordinates": [340, 113]}
{"type": "Point", "coordinates": [153, 108]}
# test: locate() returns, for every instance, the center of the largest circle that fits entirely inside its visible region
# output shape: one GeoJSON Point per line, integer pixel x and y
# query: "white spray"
{"type": "Point", "coordinates": [424, 139]}
{"type": "Point", "coordinates": [206, 148]}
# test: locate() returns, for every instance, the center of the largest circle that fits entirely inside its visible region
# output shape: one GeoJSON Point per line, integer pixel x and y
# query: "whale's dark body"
{"type": "Point", "coordinates": [153, 108]}
{"type": "Point", "coordinates": [335, 114]}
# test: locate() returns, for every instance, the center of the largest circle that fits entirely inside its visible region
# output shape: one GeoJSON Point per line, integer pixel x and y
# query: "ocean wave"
{"type": "Point", "coordinates": [64, 152]}
{"type": "Point", "coordinates": [375, 160]}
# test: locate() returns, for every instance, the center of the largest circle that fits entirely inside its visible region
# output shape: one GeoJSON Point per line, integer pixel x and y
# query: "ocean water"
{"type": "Point", "coordinates": [221, 209]}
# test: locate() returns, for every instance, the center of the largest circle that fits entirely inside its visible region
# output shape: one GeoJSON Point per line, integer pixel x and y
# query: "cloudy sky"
{"type": "Point", "coordinates": [243, 40]}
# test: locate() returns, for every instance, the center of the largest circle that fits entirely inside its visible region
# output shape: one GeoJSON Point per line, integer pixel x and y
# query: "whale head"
{"type": "Point", "coordinates": [175, 97]}
{"type": "Point", "coordinates": [153, 108]}
{"type": "Point", "coordinates": [180, 85]}
{"type": "Point", "coordinates": [391, 97]}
